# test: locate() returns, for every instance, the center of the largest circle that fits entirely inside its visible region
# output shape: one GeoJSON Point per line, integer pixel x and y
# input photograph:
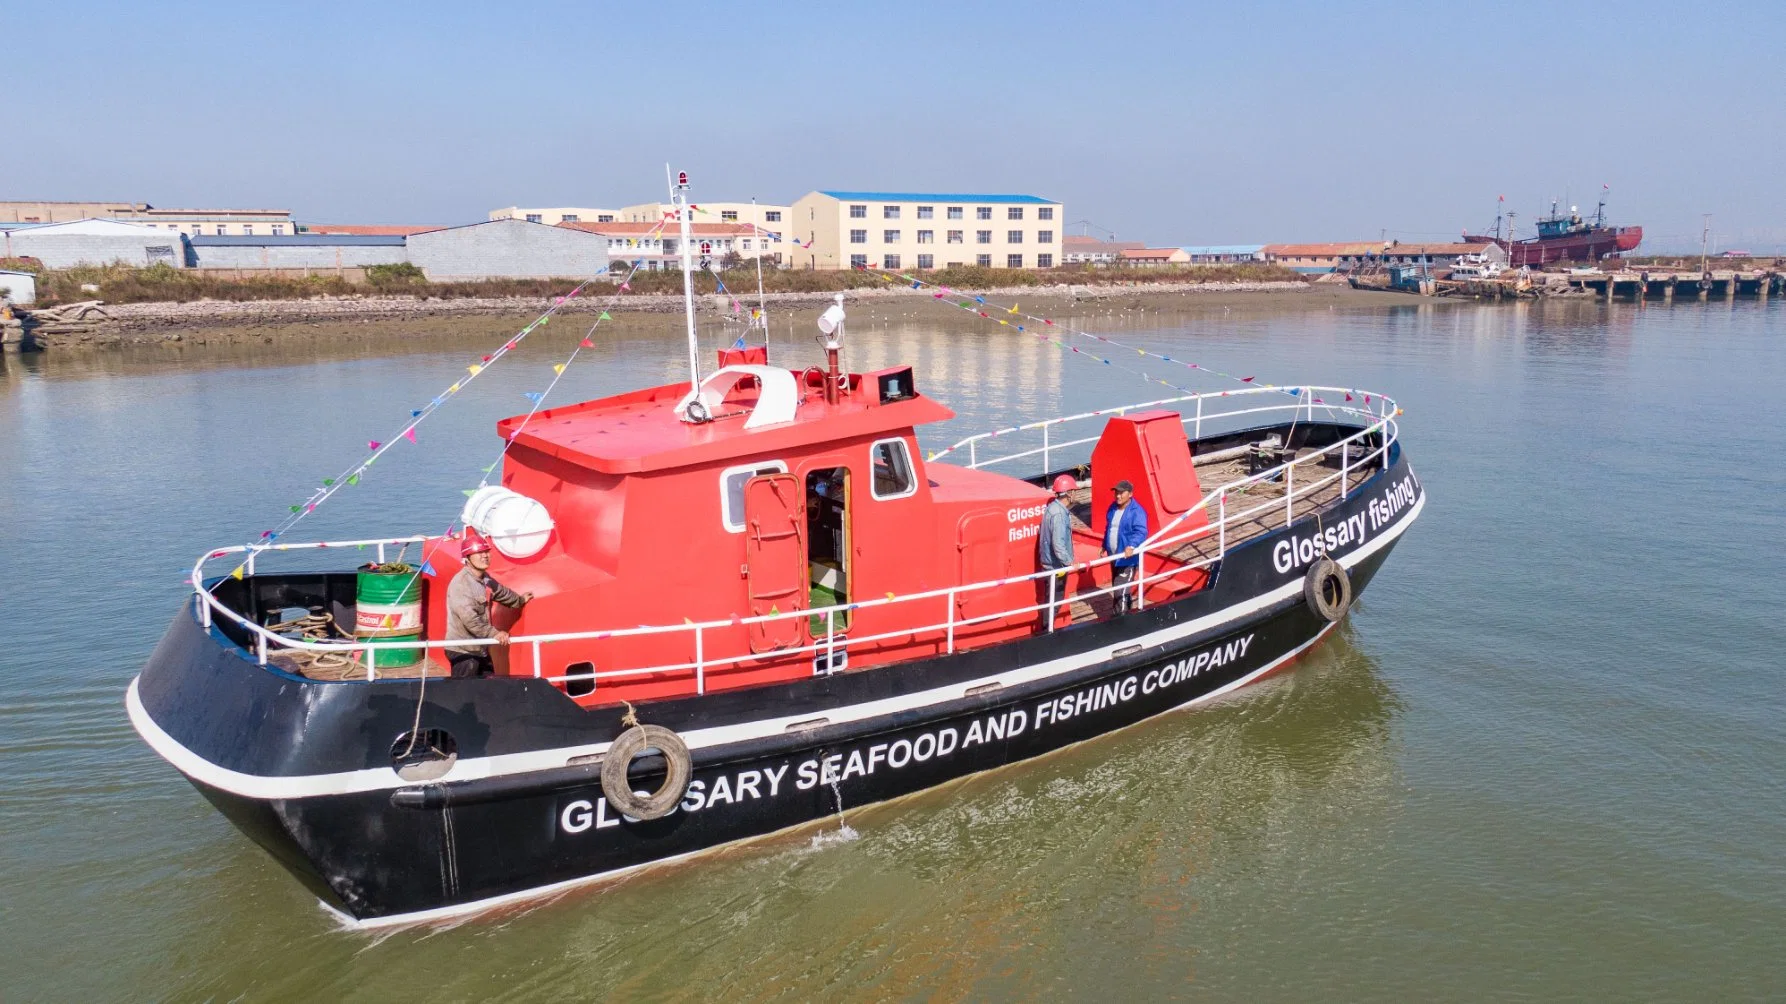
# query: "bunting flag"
{"type": "Point", "coordinates": [376, 448]}
{"type": "Point", "coordinates": [534, 396]}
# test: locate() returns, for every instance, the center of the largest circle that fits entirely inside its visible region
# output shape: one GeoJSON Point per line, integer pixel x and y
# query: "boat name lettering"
{"type": "Point", "coordinates": [1027, 530]}
{"type": "Point", "coordinates": [582, 815]}
{"type": "Point", "coordinates": [1296, 551]}
{"type": "Point", "coordinates": [1394, 499]}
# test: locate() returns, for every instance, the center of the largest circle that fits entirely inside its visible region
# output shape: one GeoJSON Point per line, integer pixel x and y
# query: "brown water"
{"type": "Point", "coordinates": [1543, 759]}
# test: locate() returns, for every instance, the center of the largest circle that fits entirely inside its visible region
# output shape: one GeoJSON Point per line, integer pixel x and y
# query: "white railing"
{"type": "Point", "coordinates": [1355, 454]}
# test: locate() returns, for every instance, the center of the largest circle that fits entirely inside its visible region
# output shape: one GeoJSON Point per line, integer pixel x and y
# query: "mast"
{"type": "Point", "coordinates": [762, 305]}
{"type": "Point", "coordinates": [679, 198]}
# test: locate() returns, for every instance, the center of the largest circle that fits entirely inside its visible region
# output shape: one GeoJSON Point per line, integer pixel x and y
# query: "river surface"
{"type": "Point", "coordinates": [1544, 758]}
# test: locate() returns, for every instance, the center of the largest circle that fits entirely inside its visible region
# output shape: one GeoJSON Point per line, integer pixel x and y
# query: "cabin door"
{"type": "Point", "coordinates": [774, 558]}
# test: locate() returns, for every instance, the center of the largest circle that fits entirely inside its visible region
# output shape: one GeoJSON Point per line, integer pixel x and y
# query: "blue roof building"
{"type": "Point", "coordinates": [1225, 254]}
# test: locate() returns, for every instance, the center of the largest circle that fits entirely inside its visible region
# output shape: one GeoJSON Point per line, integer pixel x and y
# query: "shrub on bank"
{"type": "Point", "coordinates": [165, 284]}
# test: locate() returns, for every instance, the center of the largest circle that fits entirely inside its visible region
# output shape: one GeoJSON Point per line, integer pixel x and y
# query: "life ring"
{"type": "Point", "coordinates": [1328, 589]}
{"type": "Point", "coordinates": [620, 756]}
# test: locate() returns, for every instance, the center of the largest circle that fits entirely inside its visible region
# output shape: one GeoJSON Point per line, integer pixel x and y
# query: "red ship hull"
{"type": "Point", "coordinates": [1590, 246]}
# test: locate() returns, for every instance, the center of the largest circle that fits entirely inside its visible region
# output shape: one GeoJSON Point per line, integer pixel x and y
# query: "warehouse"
{"type": "Point", "coordinates": [508, 249]}
{"type": "Point", "coordinates": [96, 242]}
{"type": "Point", "coordinates": [308, 253]}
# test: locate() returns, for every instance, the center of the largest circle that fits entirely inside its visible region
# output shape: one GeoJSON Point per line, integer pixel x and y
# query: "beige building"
{"type": "Point", "coordinates": [656, 245]}
{"type": "Point", "coordinates": [554, 215]}
{"type": "Point", "coordinates": [191, 222]}
{"type": "Point", "coordinates": [899, 230]}
{"type": "Point", "coordinates": [763, 217]}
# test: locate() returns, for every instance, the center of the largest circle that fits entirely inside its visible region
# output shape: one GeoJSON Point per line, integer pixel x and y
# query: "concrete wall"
{"type": "Point", "coordinates": [65, 250]}
{"type": "Point", "coordinates": [321, 257]}
{"type": "Point", "coordinates": [508, 249]}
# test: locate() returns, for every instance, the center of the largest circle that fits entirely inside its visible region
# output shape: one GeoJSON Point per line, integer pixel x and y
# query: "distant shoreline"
{"type": "Point", "coordinates": [225, 322]}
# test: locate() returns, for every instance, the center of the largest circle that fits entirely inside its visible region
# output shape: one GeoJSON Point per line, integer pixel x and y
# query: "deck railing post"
{"type": "Point", "coordinates": [830, 639]}
{"type": "Point", "coordinates": [1046, 466]}
{"type": "Point", "coordinates": [371, 663]}
{"type": "Point", "coordinates": [700, 659]}
{"type": "Point", "coordinates": [260, 646]}
{"type": "Point", "coordinates": [249, 564]}
{"type": "Point", "coordinates": [381, 552]}
{"type": "Point", "coordinates": [1199, 433]}
{"type": "Point", "coordinates": [536, 659]}
{"type": "Point", "coordinates": [973, 453]}
{"type": "Point", "coordinates": [1053, 581]}
{"type": "Point", "coordinates": [204, 608]}
{"type": "Point", "coordinates": [1290, 493]}
{"type": "Point", "coordinates": [951, 600]}
{"type": "Point", "coordinates": [1345, 465]}
{"type": "Point", "coordinates": [1221, 526]}
{"type": "Point", "coordinates": [1141, 576]}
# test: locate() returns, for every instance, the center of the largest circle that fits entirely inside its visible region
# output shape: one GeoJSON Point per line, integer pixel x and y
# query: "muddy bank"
{"type": "Point", "coordinates": [373, 318]}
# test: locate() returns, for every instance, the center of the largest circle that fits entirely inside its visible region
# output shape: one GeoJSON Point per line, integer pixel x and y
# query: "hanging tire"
{"type": "Point", "coordinates": [1328, 589]}
{"type": "Point", "coordinates": [678, 768]}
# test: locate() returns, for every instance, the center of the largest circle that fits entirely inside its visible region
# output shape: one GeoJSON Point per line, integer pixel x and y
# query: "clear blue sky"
{"type": "Point", "coordinates": [1173, 123]}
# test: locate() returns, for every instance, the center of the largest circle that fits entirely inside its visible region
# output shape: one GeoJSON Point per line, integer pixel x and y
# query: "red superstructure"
{"type": "Point", "coordinates": [659, 520]}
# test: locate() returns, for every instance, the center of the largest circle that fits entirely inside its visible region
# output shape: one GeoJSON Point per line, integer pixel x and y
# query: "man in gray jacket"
{"type": "Point", "coordinates": [469, 596]}
{"type": "Point", "coordinates": [1054, 549]}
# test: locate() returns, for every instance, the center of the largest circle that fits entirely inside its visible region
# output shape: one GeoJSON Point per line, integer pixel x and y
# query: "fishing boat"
{"type": "Point", "coordinates": [1565, 237]}
{"type": "Point", "coordinates": [756, 602]}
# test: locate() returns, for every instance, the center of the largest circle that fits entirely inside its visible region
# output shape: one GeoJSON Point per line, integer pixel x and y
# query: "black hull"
{"type": "Point", "coordinates": [330, 808]}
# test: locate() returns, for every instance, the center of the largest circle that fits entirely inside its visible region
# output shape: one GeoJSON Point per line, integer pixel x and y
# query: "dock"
{"type": "Point", "coordinates": [1640, 286]}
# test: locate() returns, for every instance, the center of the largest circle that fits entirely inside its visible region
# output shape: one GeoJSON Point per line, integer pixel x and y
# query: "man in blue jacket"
{"type": "Point", "coordinates": [1125, 527]}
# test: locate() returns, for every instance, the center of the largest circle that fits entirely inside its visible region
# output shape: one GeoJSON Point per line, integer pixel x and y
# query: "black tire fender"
{"type": "Point", "coordinates": [679, 767]}
{"type": "Point", "coordinates": [1327, 589]}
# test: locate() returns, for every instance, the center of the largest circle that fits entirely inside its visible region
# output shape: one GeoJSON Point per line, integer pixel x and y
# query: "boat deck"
{"type": "Point", "coordinates": [1246, 497]}
{"type": "Point", "coordinates": [1212, 476]}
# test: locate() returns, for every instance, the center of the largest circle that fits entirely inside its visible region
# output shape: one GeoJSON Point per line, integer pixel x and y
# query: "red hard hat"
{"type": "Point", "coordinates": [1064, 484]}
{"type": "Point", "coordinates": [473, 544]}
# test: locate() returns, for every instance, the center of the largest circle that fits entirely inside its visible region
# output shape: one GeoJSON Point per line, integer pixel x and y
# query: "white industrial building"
{"type": "Point", "coordinates": [508, 249]}
{"type": "Point", "coordinates": [96, 242]}
{"type": "Point", "coordinates": [317, 252]}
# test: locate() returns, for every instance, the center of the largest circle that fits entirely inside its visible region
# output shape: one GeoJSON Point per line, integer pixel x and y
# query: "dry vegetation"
{"type": "Point", "coordinates": [165, 284]}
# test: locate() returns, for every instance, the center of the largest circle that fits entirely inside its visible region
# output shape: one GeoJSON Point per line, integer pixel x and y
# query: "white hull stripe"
{"type": "Point", "coordinates": [539, 892]}
{"type": "Point", "coordinates": [470, 769]}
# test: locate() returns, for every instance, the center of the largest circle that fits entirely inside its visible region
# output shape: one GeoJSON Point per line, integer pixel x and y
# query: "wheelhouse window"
{"type": "Point", "coordinates": [892, 465]}
{"type": "Point", "coordinates": [731, 490]}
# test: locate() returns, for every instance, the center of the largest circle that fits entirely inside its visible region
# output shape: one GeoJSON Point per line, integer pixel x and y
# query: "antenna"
{"type": "Point", "coordinates": [679, 198]}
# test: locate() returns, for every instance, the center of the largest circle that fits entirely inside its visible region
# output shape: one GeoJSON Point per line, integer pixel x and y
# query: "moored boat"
{"type": "Point", "coordinates": [755, 602]}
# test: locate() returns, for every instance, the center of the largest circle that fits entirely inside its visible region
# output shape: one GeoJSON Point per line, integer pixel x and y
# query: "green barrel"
{"type": "Point", "coordinates": [388, 607]}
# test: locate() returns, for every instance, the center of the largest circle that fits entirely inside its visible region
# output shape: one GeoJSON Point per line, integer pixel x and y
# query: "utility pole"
{"type": "Point", "coordinates": [1704, 244]}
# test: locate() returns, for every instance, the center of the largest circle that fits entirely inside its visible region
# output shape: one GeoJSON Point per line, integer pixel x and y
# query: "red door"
{"type": "Point", "coordinates": [775, 568]}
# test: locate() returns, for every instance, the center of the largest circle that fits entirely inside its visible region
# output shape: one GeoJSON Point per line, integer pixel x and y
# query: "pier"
{"type": "Point", "coordinates": [1670, 285]}
{"type": "Point", "coordinates": [1639, 286]}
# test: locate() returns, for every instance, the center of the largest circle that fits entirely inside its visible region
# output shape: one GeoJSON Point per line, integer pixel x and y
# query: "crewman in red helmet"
{"type": "Point", "coordinates": [1054, 548]}
{"type": "Point", "coordinates": [469, 596]}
